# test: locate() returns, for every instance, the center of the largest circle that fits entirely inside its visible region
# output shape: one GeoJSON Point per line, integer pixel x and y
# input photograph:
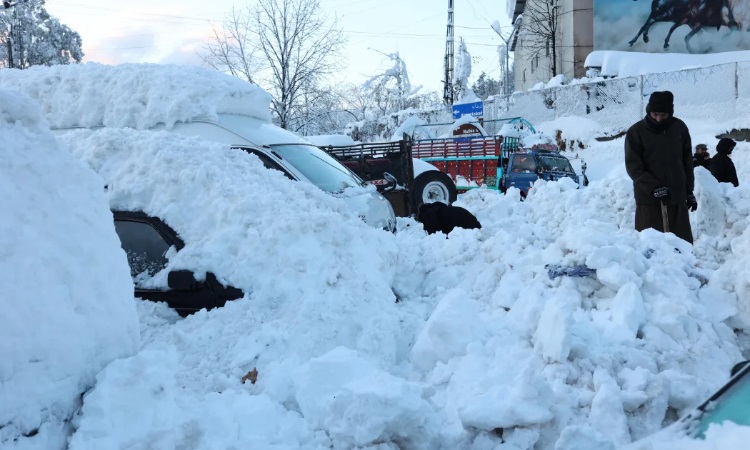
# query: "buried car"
{"type": "Point", "coordinates": [731, 403]}
{"type": "Point", "coordinates": [190, 101]}
{"type": "Point", "coordinates": [201, 223]}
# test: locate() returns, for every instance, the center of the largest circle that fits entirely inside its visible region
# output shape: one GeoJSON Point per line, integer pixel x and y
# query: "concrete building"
{"type": "Point", "coordinates": [532, 57]}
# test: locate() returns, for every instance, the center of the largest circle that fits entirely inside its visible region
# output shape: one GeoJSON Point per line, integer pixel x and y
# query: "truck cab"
{"type": "Point", "coordinates": [526, 166]}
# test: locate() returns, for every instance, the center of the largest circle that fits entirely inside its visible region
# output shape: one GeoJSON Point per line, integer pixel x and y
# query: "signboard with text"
{"type": "Point", "coordinates": [475, 109]}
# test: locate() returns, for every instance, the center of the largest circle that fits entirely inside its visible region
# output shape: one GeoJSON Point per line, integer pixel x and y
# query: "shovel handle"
{"type": "Point", "coordinates": [664, 218]}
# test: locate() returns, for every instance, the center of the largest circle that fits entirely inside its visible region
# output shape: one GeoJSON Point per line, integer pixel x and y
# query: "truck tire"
{"type": "Point", "coordinates": [432, 186]}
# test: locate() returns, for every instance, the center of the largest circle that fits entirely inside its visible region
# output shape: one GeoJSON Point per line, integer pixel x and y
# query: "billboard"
{"type": "Point", "coordinates": [676, 26]}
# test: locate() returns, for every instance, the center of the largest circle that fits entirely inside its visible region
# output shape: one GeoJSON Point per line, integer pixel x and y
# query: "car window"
{"type": "Point", "coordinates": [555, 164]}
{"type": "Point", "coordinates": [145, 248]}
{"type": "Point", "coordinates": [319, 167]}
{"type": "Point", "coordinates": [268, 162]}
{"type": "Point", "coordinates": [523, 163]}
{"type": "Point", "coordinates": [732, 405]}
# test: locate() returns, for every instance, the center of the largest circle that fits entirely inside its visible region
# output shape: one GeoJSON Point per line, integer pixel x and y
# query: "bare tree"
{"type": "Point", "coordinates": [287, 46]}
{"type": "Point", "coordinates": [231, 47]}
{"type": "Point", "coordinates": [541, 25]}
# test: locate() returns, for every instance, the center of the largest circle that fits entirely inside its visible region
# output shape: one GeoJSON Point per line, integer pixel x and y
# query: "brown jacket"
{"type": "Point", "coordinates": [659, 158]}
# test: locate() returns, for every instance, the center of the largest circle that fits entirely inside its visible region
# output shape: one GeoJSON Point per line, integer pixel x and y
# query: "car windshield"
{"type": "Point", "coordinates": [555, 164]}
{"type": "Point", "coordinates": [318, 166]}
{"type": "Point", "coordinates": [733, 405]}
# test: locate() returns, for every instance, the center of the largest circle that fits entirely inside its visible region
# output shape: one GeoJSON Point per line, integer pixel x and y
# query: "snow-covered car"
{"type": "Point", "coordinates": [147, 242]}
{"type": "Point", "coordinates": [195, 102]}
{"type": "Point", "coordinates": [731, 403]}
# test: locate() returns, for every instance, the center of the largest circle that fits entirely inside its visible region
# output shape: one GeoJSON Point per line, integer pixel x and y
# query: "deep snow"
{"type": "Point", "coordinates": [67, 308]}
{"type": "Point", "coordinates": [481, 339]}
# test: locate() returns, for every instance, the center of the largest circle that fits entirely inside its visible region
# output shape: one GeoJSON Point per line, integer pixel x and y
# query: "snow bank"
{"type": "Point", "coordinates": [67, 303]}
{"type": "Point", "coordinates": [572, 363]}
{"type": "Point", "coordinates": [626, 64]}
{"type": "Point", "coordinates": [135, 95]}
{"type": "Point", "coordinates": [314, 284]}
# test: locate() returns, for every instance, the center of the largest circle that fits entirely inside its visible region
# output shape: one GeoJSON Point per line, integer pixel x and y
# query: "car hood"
{"type": "Point", "coordinates": [371, 207]}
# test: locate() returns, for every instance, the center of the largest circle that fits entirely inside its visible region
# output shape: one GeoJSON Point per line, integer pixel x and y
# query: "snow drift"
{"type": "Point", "coordinates": [67, 302]}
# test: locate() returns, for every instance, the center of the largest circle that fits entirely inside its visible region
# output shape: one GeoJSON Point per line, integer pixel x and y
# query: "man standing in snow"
{"type": "Point", "coordinates": [701, 157]}
{"type": "Point", "coordinates": [722, 166]}
{"type": "Point", "coordinates": [659, 160]}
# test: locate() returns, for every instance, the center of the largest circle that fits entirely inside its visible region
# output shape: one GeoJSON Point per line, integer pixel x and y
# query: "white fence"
{"type": "Point", "coordinates": [719, 93]}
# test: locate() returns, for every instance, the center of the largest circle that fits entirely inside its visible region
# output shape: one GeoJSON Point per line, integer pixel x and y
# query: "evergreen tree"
{"type": "Point", "coordinates": [486, 86]}
{"type": "Point", "coordinates": [32, 37]}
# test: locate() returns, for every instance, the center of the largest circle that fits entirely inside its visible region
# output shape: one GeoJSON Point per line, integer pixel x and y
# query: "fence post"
{"type": "Point", "coordinates": [736, 80]}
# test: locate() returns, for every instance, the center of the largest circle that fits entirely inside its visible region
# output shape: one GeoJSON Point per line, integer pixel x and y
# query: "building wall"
{"type": "Point", "coordinates": [574, 43]}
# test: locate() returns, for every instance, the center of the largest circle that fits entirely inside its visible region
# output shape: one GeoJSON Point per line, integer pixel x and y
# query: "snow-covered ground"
{"type": "Point", "coordinates": [67, 308]}
{"type": "Point", "coordinates": [364, 339]}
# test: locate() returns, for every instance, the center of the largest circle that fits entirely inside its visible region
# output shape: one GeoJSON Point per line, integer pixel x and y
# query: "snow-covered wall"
{"type": "Point", "coordinates": [67, 301]}
{"type": "Point", "coordinates": [135, 95]}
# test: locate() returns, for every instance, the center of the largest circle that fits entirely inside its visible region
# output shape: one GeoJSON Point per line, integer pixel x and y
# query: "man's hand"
{"type": "Point", "coordinates": [662, 194]}
{"type": "Point", "coordinates": [692, 203]}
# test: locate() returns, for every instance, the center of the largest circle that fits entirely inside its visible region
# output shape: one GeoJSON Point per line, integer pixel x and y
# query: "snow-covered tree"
{"type": "Point", "coordinates": [29, 36]}
{"type": "Point", "coordinates": [486, 86]}
{"type": "Point", "coordinates": [462, 71]}
{"type": "Point", "coordinates": [391, 90]}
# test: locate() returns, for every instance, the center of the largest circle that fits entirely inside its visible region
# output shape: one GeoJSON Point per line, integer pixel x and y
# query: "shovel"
{"type": "Point", "coordinates": [664, 218]}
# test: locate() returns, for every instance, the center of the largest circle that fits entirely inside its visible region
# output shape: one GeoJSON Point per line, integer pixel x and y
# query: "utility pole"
{"type": "Point", "coordinates": [448, 63]}
{"type": "Point", "coordinates": [504, 52]}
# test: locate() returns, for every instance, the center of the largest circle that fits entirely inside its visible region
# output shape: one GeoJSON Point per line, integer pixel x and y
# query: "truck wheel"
{"type": "Point", "coordinates": [430, 187]}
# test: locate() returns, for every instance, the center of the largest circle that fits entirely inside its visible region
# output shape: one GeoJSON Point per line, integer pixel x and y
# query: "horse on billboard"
{"type": "Point", "coordinates": [697, 14]}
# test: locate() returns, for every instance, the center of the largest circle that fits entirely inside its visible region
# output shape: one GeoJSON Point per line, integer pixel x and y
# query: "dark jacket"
{"type": "Point", "coordinates": [701, 161]}
{"type": "Point", "coordinates": [439, 217]}
{"type": "Point", "coordinates": [655, 158]}
{"type": "Point", "coordinates": [723, 169]}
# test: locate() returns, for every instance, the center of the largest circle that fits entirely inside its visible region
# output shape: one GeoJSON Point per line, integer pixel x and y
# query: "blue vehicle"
{"type": "Point", "coordinates": [522, 167]}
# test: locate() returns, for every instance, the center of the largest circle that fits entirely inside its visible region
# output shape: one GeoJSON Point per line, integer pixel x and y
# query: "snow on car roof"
{"type": "Point", "coordinates": [135, 95]}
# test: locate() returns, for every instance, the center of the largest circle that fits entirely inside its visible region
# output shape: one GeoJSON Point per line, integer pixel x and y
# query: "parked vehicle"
{"type": "Point", "coordinates": [292, 155]}
{"type": "Point", "coordinates": [146, 240]}
{"type": "Point", "coordinates": [430, 170]}
{"type": "Point", "coordinates": [406, 182]}
{"type": "Point", "coordinates": [730, 403]}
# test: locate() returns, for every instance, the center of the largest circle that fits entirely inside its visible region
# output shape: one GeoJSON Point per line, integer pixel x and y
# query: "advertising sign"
{"type": "Point", "coordinates": [475, 109]}
{"type": "Point", "coordinates": [676, 26]}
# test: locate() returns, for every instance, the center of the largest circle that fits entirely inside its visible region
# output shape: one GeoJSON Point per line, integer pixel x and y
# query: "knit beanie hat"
{"type": "Point", "coordinates": [661, 101]}
{"type": "Point", "coordinates": [725, 146]}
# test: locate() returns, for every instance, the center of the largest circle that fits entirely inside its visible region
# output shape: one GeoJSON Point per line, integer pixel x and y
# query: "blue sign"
{"type": "Point", "coordinates": [475, 109]}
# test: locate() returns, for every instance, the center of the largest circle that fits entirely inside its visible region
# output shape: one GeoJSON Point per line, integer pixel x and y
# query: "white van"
{"type": "Point", "coordinates": [192, 101]}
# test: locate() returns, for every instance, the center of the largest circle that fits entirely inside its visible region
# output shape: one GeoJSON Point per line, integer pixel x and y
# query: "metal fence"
{"type": "Point", "coordinates": [718, 93]}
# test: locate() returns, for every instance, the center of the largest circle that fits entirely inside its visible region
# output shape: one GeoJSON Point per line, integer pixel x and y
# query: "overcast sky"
{"type": "Point", "coordinates": [172, 30]}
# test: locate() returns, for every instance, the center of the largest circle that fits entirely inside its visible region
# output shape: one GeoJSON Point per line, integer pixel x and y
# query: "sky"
{"type": "Point", "coordinates": [170, 31]}
{"type": "Point", "coordinates": [484, 335]}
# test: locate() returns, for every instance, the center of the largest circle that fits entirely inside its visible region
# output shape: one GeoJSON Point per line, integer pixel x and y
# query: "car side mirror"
{"type": "Point", "coordinates": [539, 172]}
{"type": "Point", "coordinates": [392, 181]}
{"type": "Point", "coordinates": [182, 280]}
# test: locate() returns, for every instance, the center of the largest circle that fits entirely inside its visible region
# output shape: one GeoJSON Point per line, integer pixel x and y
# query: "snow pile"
{"type": "Point", "coordinates": [135, 95]}
{"type": "Point", "coordinates": [313, 283]}
{"type": "Point", "coordinates": [565, 363]}
{"type": "Point", "coordinates": [626, 64]}
{"type": "Point", "coordinates": [67, 302]}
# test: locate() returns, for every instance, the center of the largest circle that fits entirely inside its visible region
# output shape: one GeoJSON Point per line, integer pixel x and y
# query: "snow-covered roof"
{"type": "Point", "coordinates": [135, 95]}
{"type": "Point", "coordinates": [67, 301]}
